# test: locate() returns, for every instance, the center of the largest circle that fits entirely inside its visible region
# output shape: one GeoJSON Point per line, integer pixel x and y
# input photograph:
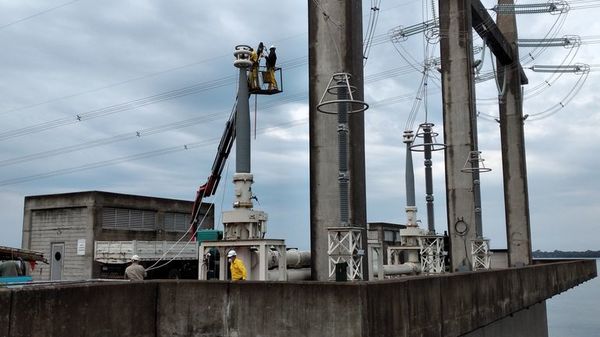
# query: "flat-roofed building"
{"type": "Point", "coordinates": [65, 226]}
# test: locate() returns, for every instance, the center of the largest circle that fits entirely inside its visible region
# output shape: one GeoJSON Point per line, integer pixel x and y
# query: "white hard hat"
{"type": "Point", "coordinates": [272, 47]}
{"type": "Point", "coordinates": [231, 253]}
{"type": "Point", "coordinates": [135, 258]}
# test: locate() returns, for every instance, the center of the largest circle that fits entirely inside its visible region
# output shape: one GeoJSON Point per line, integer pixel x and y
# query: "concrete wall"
{"type": "Point", "coordinates": [449, 305]}
{"type": "Point", "coordinates": [530, 322]}
{"type": "Point", "coordinates": [83, 310]}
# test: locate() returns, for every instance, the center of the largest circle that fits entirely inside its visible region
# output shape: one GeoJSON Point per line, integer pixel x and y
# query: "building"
{"type": "Point", "coordinates": [385, 233]}
{"type": "Point", "coordinates": [65, 226]}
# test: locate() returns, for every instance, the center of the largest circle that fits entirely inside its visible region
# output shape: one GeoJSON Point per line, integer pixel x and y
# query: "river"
{"type": "Point", "coordinates": [576, 312]}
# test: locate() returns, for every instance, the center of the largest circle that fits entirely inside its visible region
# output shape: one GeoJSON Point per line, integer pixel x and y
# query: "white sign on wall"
{"type": "Point", "coordinates": [81, 247]}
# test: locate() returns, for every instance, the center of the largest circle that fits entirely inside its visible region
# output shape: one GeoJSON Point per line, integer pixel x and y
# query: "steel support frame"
{"type": "Point", "coordinates": [480, 254]}
{"type": "Point", "coordinates": [344, 244]}
{"type": "Point", "coordinates": [260, 246]}
{"type": "Point", "coordinates": [432, 254]}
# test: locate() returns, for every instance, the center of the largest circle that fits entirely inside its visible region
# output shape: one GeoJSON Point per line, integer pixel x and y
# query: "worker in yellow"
{"type": "Point", "coordinates": [255, 56]}
{"type": "Point", "coordinates": [236, 266]}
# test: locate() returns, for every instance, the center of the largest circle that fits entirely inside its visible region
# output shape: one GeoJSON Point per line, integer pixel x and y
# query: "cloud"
{"type": "Point", "coordinates": [89, 56]}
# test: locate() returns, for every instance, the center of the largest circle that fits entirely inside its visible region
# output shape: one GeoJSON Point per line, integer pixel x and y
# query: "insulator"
{"type": "Point", "coordinates": [552, 7]}
{"type": "Point", "coordinates": [401, 33]}
{"type": "Point", "coordinates": [485, 77]}
{"type": "Point", "coordinates": [567, 41]}
{"type": "Point", "coordinates": [579, 68]}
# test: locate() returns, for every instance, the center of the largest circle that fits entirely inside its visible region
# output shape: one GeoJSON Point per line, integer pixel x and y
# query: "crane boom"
{"type": "Point", "coordinates": [210, 187]}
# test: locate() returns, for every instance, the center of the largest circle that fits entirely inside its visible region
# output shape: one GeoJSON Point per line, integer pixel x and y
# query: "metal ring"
{"type": "Point", "coordinates": [362, 106]}
{"type": "Point", "coordinates": [434, 147]}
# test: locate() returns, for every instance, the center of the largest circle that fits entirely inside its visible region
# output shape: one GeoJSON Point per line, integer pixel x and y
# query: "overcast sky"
{"type": "Point", "coordinates": [80, 80]}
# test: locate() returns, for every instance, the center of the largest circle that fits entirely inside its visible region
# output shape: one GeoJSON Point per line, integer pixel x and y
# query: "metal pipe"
{"type": "Point", "coordinates": [292, 274]}
{"type": "Point", "coordinates": [294, 259]}
{"type": "Point", "coordinates": [398, 269]}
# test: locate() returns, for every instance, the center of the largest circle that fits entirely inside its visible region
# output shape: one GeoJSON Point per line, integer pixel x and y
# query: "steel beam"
{"type": "Point", "coordinates": [486, 28]}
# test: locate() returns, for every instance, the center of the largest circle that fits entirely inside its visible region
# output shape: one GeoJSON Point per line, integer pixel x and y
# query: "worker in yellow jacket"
{"type": "Point", "coordinates": [236, 266]}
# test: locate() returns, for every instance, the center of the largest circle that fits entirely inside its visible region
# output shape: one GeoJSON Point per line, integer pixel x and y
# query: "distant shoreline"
{"type": "Point", "coordinates": [558, 254]}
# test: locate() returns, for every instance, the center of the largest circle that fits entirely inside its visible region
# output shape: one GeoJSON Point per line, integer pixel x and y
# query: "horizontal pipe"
{"type": "Point", "coordinates": [294, 259]}
{"type": "Point", "coordinates": [302, 274]}
{"type": "Point", "coordinates": [398, 269]}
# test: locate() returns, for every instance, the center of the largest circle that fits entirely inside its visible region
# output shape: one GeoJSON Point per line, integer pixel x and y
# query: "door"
{"type": "Point", "coordinates": [57, 256]}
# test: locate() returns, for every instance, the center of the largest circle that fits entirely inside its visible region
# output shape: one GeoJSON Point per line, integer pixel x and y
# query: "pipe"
{"type": "Point", "coordinates": [398, 269]}
{"type": "Point", "coordinates": [295, 259]}
{"type": "Point", "coordinates": [302, 274]}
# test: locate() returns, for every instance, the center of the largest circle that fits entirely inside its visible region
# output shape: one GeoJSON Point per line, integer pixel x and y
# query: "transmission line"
{"type": "Point", "coordinates": [38, 14]}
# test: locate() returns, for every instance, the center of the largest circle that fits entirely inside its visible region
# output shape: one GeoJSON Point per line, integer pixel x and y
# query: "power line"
{"type": "Point", "coordinates": [134, 104]}
{"type": "Point", "coordinates": [181, 124]}
{"type": "Point", "coordinates": [375, 40]}
{"type": "Point", "coordinates": [38, 14]}
{"type": "Point", "coordinates": [173, 149]}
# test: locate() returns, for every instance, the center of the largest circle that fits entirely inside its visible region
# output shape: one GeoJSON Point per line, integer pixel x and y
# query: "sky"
{"type": "Point", "coordinates": [132, 97]}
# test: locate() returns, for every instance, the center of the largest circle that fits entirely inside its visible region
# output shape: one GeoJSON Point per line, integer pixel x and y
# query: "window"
{"type": "Point", "coordinates": [128, 219]}
{"type": "Point", "coordinates": [389, 236]}
{"type": "Point", "coordinates": [177, 222]}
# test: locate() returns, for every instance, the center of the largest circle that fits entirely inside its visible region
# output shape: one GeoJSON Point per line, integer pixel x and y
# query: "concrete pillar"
{"type": "Point", "coordinates": [514, 169]}
{"type": "Point", "coordinates": [460, 131]}
{"type": "Point", "coordinates": [335, 45]}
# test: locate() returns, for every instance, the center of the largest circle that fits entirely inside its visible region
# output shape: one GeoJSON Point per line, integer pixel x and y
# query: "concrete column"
{"type": "Point", "coordinates": [335, 45]}
{"type": "Point", "coordinates": [242, 126]}
{"type": "Point", "coordinates": [512, 136]}
{"type": "Point", "coordinates": [460, 132]}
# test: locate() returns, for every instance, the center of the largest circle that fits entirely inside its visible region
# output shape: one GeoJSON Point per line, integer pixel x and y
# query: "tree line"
{"type": "Point", "coordinates": [567, 254]}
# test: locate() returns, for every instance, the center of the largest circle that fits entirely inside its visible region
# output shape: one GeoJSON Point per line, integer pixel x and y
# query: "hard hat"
{"type": "Point", "coordinates": [272, 47]}
{"type": "Point", "coordinates": [231, 253]}
{"type": "Point", "coordinates": [135, 258]}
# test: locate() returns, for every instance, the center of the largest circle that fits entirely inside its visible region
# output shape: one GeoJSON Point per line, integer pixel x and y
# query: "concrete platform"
{"type": "Point", "coordinates": [447, 305]}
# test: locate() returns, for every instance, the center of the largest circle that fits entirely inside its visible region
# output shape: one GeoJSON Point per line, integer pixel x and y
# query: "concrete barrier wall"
{"type": "Point", "coordinates": [192, 308]}
{"type": "Point", "coordinates": [94, 310]}
{"type": "Point", "coordinates": [5, 311]}
{"type": "Point", "coordinates": [448, 305]}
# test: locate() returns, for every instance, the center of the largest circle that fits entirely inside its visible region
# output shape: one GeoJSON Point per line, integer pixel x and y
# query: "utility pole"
{"type": "Point", "coordinates": [335, 46]}
{"type": "Point", "coordinates": [512, 136]}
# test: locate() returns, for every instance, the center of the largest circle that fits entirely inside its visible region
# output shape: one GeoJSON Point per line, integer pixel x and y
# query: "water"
{"type": "Point", "coordinates": [576, 312]}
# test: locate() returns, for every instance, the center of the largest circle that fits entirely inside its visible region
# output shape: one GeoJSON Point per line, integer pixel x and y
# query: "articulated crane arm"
{"type": "Point", "coordinates": [210, 187]}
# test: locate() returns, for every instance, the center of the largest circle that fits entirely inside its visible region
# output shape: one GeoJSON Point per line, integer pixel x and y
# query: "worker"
{"type": "Point", "coordinates": [236, 266]}
{"type": "Point", "coordinates": [271, 60]}
{"type": "Point", "coordinates": [255, 56]}
{"type": "Point", "coordinates": [10, 269]}
{"type": "Point", "coordinates": [135, 271]}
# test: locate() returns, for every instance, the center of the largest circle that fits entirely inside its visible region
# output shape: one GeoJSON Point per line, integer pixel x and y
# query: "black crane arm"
{"type": "Point", "coordinates": [210, 187]}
